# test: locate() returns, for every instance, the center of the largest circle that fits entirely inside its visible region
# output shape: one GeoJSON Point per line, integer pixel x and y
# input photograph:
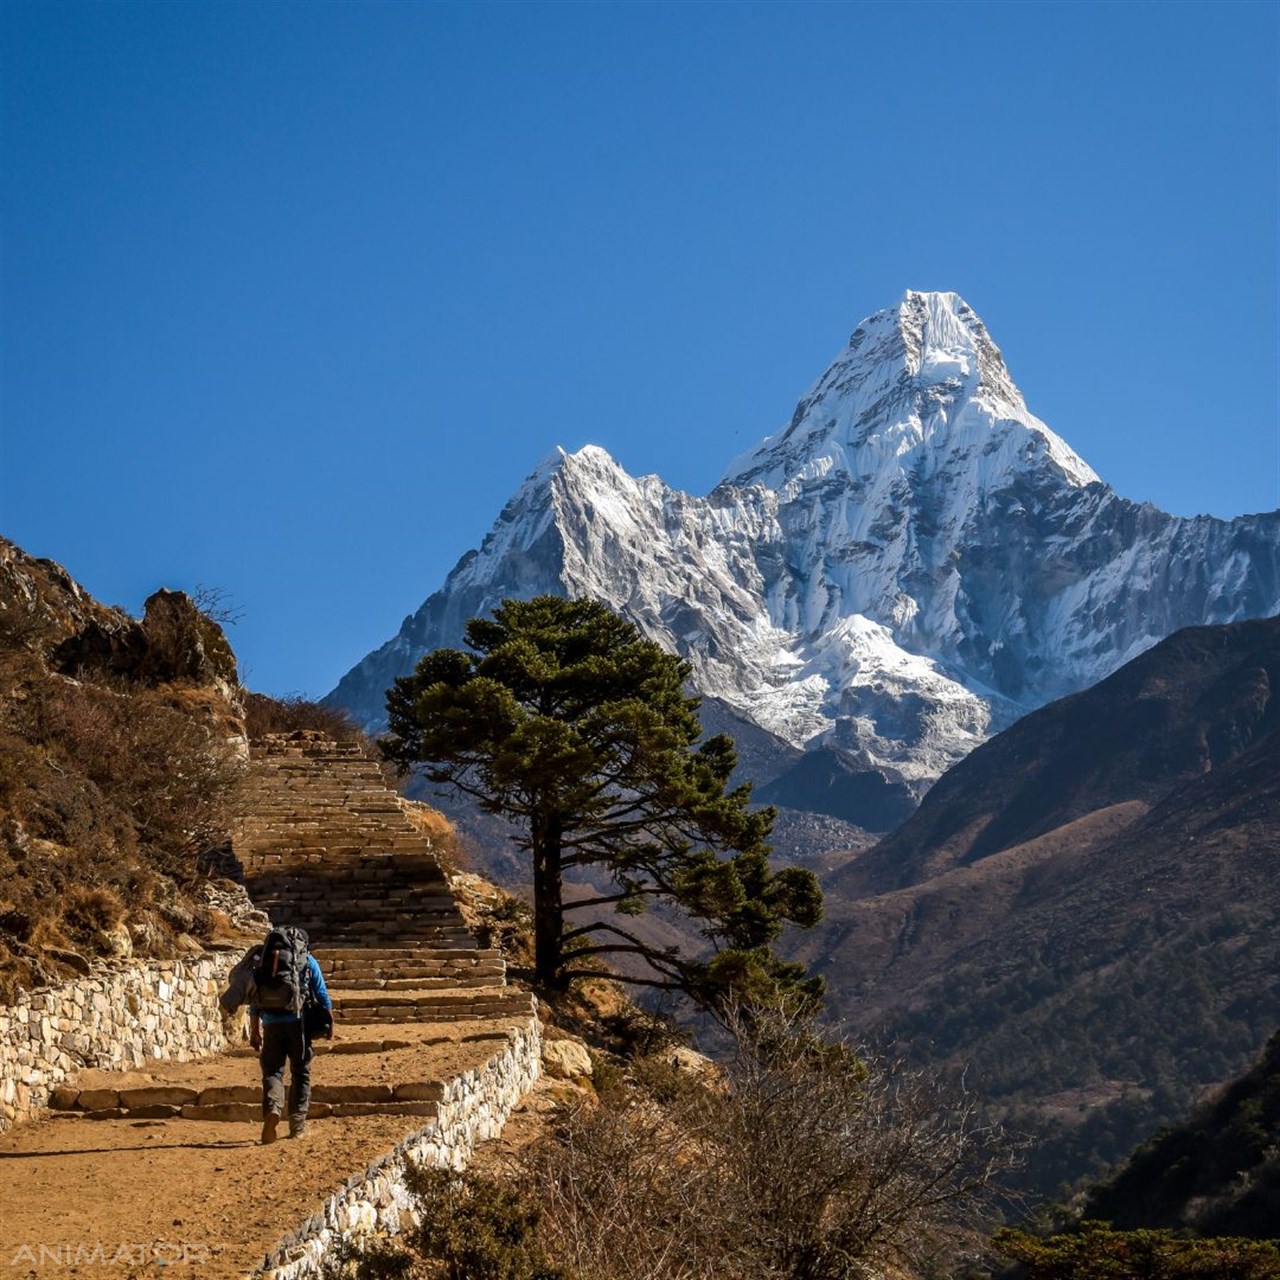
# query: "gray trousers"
{"type": "Point", "coordinates": [284, 1042]}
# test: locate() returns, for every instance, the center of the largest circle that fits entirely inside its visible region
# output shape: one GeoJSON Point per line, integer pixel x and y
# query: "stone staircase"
{"type": "Point", "coordinates": [431, 1052]}
{"type": "Point", "coordinates": [326, 845]}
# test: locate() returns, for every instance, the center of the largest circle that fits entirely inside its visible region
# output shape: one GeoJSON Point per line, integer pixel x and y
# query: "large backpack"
{"type": "Point", "coordinates": [281, 975]}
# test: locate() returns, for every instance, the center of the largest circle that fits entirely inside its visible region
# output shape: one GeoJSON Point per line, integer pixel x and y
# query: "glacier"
{"type": "Point", "coordinates": [914, 562]}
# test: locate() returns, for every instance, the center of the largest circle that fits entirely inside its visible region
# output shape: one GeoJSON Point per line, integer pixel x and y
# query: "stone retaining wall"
{"type": "Point", "coordinates": [118, 1018]}
{"type": "Point", "coordinates": [475, 1107]}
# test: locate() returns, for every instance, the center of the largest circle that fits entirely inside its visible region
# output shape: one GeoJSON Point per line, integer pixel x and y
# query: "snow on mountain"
{"type": "Point", "coordinates": [914, 562]}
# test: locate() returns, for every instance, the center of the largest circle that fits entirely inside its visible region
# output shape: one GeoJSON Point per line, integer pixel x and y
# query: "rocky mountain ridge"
{"type": "Point", "coordinates": [914, 563]}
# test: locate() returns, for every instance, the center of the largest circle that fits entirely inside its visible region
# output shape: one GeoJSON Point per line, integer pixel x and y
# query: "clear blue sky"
{"type": "Point", "coordinates": [294, 295]}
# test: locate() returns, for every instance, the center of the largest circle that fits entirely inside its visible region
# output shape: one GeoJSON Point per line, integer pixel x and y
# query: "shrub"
{"type": "Point", "coordinates": [264, 714]}
{"type": "Point", "coordinates": [802, 1159]}
{"type": "Point", "coordinates": [108, 797]}
{"type": "Point", "coordinates": [806, 1159]}
{"type": "Point", "coordinates": [1096, 1251]}
{"type": "Point", "coordinates": [478, 1229]}
{"type": "Point", "coordinates": [164, 767]}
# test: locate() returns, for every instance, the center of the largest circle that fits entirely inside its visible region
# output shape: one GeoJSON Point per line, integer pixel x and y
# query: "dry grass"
{"type": "Point", "coordinates": [108, 796]}
{"type": "Point", "coordinates": [264, 714]}
{"type": "Point", "coordinates": [801, 1158]}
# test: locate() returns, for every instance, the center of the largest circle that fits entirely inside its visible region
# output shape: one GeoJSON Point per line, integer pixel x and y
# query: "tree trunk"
{"type": "Point", "coordinates": [548, 908]}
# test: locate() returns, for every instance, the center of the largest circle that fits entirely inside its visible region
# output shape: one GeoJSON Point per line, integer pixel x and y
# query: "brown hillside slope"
{"type": "Point", "coordinates": [1100, 974]}
{"type": "Point", "coordinates": [1185, 707]}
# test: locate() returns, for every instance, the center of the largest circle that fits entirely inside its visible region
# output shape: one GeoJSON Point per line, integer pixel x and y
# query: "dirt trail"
{"type": "Point", "coordinates": [84, 1197]}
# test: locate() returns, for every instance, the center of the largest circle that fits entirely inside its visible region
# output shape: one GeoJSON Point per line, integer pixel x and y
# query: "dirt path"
{"type": "Point", "coordinates": [83, 1197]}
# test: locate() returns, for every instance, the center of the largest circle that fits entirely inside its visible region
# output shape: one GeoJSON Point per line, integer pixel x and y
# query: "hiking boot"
{"type": "Point", "coordinates": [269, 1126]}
{"type": "Point", "coordinates": [297, 1128]}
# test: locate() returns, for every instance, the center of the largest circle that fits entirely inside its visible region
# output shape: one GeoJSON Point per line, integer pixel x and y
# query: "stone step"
{"type": "Point", "coordinates": [333, 910]}
{"type": "Point", "coordinates": [322, 889]}
{"type": "Point", "coordinates": [341, 955]}
{"type": "Point", "coordinates": [317, 809]}
{"type": "Point", "coordinates": [329, 925]}
{"type": "Point", "coordinates": [335, 927]}
{"type": "Point", "coordinates": [344, 1047]}
{"type": "Point", "coordinates": [407, 971]}
{"type": "Point", "coordinates": [386, 896]}
{"type": "Point", "coordinates": [390, 937]}
{"type": "Point", "coordinates": [362, 867]}
{"type": "Point", "coordinates": [420, 935]}
{"type": "Point", "coordinates": [333, 919]}
{"type": "Point", "coordinates": [286, 796]}
{"type": "Point", "coordinates": [449, 982]}
{"type": "Point", "coordinates": [359, 999]}
{"type": "Point", "coordinates": [251, 1112]}
{"type": "Point", "coordinates": [417, 1005]}
{"type": "Point", "coordinates": [359, 863]}
{"type": "Point", "coordinates": [460, 958]}
{"type": "Point", "coordinates": [358, 894]}
{"type": "Point", "coordinates": [260, 866]}
{"type": "Point", "coordinates": [346, 849]}
{"type": "Point", "coordinates": [386, 936]}
{"type": "Point", "coordinates": [476, 1013]}
{"type": "Point", "coordinates": [171, 1101]}
{"type": "Point", "coordinates": [366, 981]}
{"type": "Point", "coordinates": [322, 835]}
{"type": "Point", "coordinates": [265, 813]}
{"type": "Point", "coordinates": [325, 781]}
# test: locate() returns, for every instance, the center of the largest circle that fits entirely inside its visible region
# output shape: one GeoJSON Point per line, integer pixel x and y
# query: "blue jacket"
{"type": "Point", "coordinates": [316, 993]}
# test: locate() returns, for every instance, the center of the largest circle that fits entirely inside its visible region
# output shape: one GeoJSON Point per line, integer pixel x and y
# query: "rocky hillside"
{"type": "Point", "coordinates": [121, 743]}
{"type": "Point", "coordinates": [912, 564]}
{"type": "Point", "coordinates": [1086, 909]}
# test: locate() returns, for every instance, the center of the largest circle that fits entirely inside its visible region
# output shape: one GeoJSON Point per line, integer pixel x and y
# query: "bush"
{"type": "Point", "coordinates": [1096, 1251]}
{"type": "Point", "coordinates": [150, 752]}
{"type": "Point", "coordinates": [108, 798]}
{"type": "Point", "coordinates": [802, 1159]}
{"type": "Point", "coordinates": [264, 714]}
{"type": "Point", "coordinates": [805, 1159]}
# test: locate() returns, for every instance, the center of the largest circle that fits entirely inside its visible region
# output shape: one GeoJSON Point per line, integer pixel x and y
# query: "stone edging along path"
{"type": "Point", "coordinates": [475, 1106]}
{"type": "Point", "coordinates": [116, 1018]}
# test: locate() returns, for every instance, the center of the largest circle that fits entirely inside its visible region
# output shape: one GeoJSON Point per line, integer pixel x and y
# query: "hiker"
{"type": "Point", "coordinates": [283, 985]}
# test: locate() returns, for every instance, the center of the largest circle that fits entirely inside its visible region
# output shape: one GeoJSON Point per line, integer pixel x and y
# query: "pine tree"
{"type": "Point", "coordinates": [565, 720]}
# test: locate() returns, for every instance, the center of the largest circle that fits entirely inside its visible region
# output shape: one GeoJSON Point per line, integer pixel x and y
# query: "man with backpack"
{"type": "Point", "coordinates": [285, 989]}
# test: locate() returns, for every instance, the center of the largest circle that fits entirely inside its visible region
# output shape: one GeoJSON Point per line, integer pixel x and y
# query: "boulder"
{"type": "Point", "coordinates": [116, 942]}
{"type": "Point", "coordinates": [565, 1059]}
{"type": "Point", "coordinates": [690, 1060]}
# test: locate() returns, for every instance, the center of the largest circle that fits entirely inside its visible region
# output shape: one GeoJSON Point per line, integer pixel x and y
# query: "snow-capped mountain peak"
{"type": "Point", "coordinates": [919, 384]}
{"type": "Point", "coordinates": [914, 561]}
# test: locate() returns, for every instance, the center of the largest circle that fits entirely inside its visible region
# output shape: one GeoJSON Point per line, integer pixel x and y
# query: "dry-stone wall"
{"type": "Point", "coordinates": [119, 1017]}
{"type": "Point", "coordinates": [476, 1105]}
